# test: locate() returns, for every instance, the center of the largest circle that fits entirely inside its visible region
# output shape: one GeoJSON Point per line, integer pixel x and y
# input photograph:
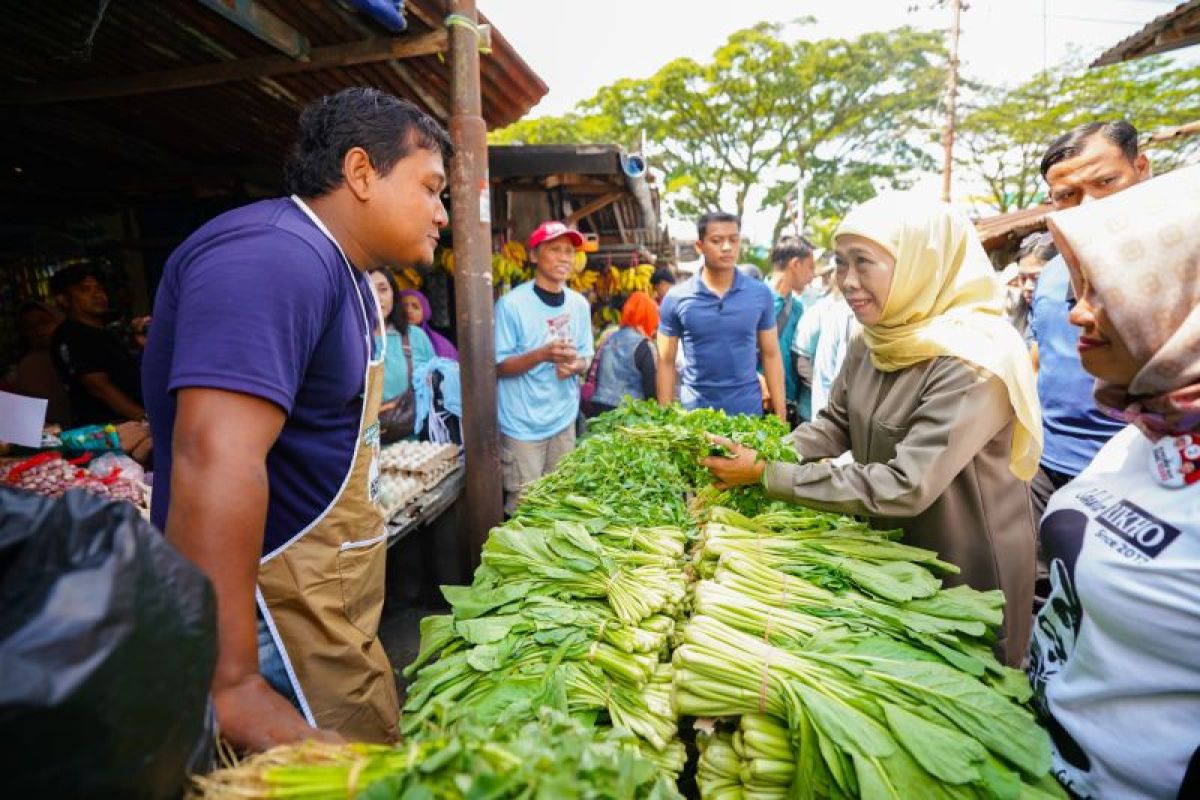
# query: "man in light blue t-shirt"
{"type": "Point", "coordinates": [543, 343]}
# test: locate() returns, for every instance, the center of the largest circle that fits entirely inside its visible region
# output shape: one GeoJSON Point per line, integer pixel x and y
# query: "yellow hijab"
{"type": "Point", "coordinates": [946, 300]}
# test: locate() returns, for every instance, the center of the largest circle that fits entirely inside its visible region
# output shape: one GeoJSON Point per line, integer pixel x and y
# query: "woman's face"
{"type": "Point", "coordinates": [864, 274]}
{"type": "Point", "coordinates": [383, 291]}
{"type": "Point", "coordinates": [412, 309]}
{"type": "Point", "coordinates": [1101, 350]}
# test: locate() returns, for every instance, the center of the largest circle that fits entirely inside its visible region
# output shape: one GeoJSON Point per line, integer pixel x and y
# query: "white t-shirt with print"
{"type": "Point", "coordinates": [1115, 657]}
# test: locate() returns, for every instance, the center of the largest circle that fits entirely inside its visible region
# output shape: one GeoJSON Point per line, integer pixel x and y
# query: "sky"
{"type": "Point", "coordinates": [578, 46]}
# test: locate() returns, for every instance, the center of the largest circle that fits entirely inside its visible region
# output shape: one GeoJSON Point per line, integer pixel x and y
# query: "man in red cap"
{"type": "Point", "coordinates": [543, 343]}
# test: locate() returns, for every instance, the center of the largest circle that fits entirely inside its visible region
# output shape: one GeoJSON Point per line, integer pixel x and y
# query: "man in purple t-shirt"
{"type": "Point", "coordinates": [256, 378]}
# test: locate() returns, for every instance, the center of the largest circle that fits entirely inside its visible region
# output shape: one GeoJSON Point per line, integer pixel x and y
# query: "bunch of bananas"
{"type": "Point", "coordinates": [443, 259]}
{"type": "Point", "coordinates": [604, 316]}
{"type": "Point", "coordinates": [636, 279]}
{"type": "Point", "coordinates": [582, 279]}
{"type": "Point", "coordinates": [407, 278]}
{"type": "Point", "coordinates": [508, 266]}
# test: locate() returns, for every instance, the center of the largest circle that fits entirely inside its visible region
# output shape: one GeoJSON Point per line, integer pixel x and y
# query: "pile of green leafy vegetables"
{"type": "Point", "coordinates": [825, 659]}
{"type": "Point", "coordinates": [883, 680]}
{"type": "Point", "coordinates": [530, 754]}
{"type": "Point", "coordinates": [681, 438]}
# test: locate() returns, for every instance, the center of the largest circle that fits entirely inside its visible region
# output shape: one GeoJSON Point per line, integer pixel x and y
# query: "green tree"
{"type": "Point", "coordinates": [1005, 131]}
{"type": "Point", "coordinates": [845, 115]}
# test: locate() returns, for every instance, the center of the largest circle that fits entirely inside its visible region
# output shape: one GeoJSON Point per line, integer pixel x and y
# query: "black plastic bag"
{"type": "Point", "coordinates": [107, 649]}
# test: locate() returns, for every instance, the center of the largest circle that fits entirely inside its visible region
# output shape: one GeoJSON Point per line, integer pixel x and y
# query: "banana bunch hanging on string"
{"type": "Point", "coordinates": [508, 265]}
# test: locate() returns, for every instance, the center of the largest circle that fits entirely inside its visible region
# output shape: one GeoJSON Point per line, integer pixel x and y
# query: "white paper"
{"type": "Point", "coordinates": [22, 419]}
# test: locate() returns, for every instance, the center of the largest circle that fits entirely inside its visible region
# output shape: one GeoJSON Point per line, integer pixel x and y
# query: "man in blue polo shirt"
{"type": "Point", "coordinates": [1084, 164]}
{"type": "Point", "coordinates": [725, 321]}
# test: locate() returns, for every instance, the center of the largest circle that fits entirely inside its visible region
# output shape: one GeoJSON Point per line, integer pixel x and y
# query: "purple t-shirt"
{"type": "Point", "coordinates": [260, 301]}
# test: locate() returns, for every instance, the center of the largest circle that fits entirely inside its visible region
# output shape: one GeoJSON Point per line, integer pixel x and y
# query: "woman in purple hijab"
{"type": "Point", "coordinates": [416, 307]}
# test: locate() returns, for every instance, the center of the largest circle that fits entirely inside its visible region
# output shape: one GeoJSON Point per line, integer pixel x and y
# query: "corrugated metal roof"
{"type": "Point", "coordinates": [242, 126]}
{"type": "Point", "coordinates": [1170, 31]}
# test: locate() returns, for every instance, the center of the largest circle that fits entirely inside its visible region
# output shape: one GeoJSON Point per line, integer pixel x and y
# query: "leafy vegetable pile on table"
{"type": "Point", "coordinates": [525, 754]}
{"type": "Point", "coordinates": [884, 682]}
{"type": "Point", "coordinates": [574, 604]}
{"type": "Point", "coordinates": [825, 658]}
{"type": "Point", "coordinates": [680, 437]}
{"type": "Point", "coordinates": [561, 617]}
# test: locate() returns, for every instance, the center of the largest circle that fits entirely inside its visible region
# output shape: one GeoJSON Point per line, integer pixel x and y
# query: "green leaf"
{"type": "Point", "coordinates": [847, 727]}
{"type": "Point", "coordinates": [943, 752]}
{"type": "Point", "coordinates": [487, 630]}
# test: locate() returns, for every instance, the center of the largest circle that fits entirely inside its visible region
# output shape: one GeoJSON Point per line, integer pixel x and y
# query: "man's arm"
{"type": "Point", "coordinates": [667, 349]}
{"type": "Point", "coordinates": [217, 513]}
{"type": "Point", "coordinates": [772, 359]}
{"type": "Point", "coordinates": [101, 387]}
{"type": "Point", "coordinates": [804, 369]}
{"type": "Point", "coordinates": [558, 352]}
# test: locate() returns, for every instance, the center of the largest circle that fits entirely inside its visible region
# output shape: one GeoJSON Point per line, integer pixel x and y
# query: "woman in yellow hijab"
{"type": "Point", "coordinates": [936, 402]}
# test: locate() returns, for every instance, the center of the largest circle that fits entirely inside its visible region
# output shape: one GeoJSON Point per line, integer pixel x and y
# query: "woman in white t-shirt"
{"type": "Point", "coordinates": [1115, 657]}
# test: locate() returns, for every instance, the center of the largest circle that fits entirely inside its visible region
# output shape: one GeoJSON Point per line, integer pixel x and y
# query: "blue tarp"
{"type": "Point", "coordinates": [388, 13]}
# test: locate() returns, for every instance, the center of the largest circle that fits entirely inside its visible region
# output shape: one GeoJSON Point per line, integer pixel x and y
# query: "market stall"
{"type": "Point", "coordinates": [718, 644]}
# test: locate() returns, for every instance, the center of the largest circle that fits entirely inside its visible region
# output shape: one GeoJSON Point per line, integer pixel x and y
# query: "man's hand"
{"type": "Point", "coordinates": [570, 369]}
{"type": "Point", "coordinates": [560, 352]}
{"type": "Point", "coordinates": [135, 440]}
{"type": "Point", "coordinates": [255, 717]}
{"type": "Point", "coordinates": [743, 468]}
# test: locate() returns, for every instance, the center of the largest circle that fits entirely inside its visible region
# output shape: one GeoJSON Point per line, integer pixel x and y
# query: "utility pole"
{"type": "Point", "coordinates": [470, 220]}
{"type": "Point", "coordinates": [951, 100]}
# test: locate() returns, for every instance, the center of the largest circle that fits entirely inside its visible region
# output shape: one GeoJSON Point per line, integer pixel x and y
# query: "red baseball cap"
{"type": "Point", "coordinates": [554, 230]}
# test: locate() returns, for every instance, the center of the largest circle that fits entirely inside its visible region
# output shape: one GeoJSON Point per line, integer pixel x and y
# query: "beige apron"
{"type": "Point", "coordinates": [321, 593]}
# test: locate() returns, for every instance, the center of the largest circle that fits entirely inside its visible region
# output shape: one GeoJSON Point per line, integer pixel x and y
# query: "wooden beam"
{"type": "Point", "coordinates": [338, 55]}
{"type": "Point", "coordinates": [591, 208]}
{"type": "Point", "coordinates": [252, 17]}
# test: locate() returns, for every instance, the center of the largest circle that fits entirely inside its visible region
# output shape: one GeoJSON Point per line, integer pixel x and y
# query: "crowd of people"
{"type": "Point", "coordinates": [1038, 427]}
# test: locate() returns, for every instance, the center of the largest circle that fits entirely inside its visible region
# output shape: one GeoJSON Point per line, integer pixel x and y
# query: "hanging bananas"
{"type": "Point", "coordinates": [407, 278]}
{"type": "Point", "coordinates": [509, 267]}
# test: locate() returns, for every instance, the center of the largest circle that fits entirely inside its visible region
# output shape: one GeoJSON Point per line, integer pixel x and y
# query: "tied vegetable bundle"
{"type": "Point", "coordinates": [884, 681]}
{"type": "Point", "coordinates": [564, 617]}
{"type": "Point", "coordinates": [525, 754]}
{"type": "Point", "coordinates": [754, 761]}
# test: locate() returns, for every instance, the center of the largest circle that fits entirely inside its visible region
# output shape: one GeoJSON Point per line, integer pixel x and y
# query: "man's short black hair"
{"type": "Point", "coordinates": [789, 248]}
{"type": "Point", "coordinates": [73, 275]}
{"type": "Point", "coordinates": [662, 275]}
{"type": "Point", "coordinates": [387, 127]}
{"type": "Point", "coordinates": [716, 216]}
{"type": "Point", "coordinates": [1120, 132]}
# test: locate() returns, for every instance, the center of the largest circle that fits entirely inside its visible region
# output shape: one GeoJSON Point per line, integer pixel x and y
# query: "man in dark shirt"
{"type": "Point", "coordinates": [102, 377]}
{"type": "Point", "coordinates": [263, 389]}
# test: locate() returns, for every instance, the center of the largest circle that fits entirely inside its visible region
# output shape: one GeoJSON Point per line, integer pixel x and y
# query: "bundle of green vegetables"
{"type": "Point", "coordinates": [868, 716]}
{"type": "Point", "coordinates": [885, 681]}
{"type": "Point", "coordinates": [754, 761]}
{"type": "Point", "coordinates": [527, 753]}
{"type": "Point", "coordinates": [561, 616]}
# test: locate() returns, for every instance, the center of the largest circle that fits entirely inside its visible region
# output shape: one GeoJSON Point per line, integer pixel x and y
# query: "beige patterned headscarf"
{"type": "Point", "coordinates": [1139, 252]}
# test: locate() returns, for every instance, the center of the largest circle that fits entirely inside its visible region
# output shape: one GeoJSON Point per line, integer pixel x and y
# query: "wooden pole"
{"type": "Point", "coordinates": [470, 219]}
{"type": "Point", "coordinates": [951, 101]}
